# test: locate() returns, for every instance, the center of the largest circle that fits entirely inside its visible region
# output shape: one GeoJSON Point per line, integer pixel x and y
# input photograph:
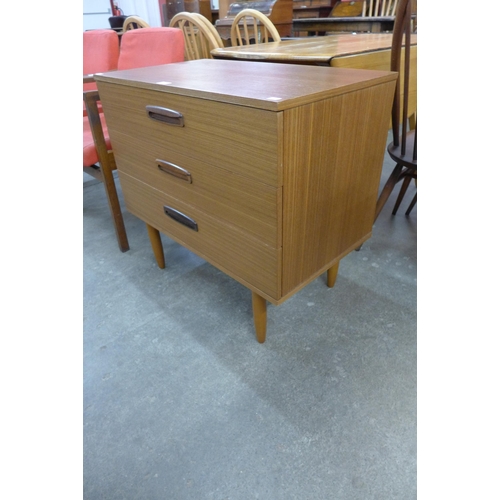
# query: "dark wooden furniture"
{"type": "Point", "coordinates": [270, 172]}
{"type": "Point", "coordinates": [343, 24]}
{"type": "Point", "coordinates": [373, 16]}
{"type": "Point", "coordinates": [312, 8]}
{"type": "Point", "coordinates": [403, 148]}
{"type": "Point", "coordinates": [348, 9]}
{"type": "Point", "coordinates": [279, 13]}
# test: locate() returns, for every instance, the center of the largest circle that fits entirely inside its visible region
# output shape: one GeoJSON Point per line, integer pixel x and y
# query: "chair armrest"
{"type": "Point", "coordinates": [106, 158]}
{"type": "Point", "coordinates": [91, 98]}
{"type": "Point", "coordinates": [88, 79]}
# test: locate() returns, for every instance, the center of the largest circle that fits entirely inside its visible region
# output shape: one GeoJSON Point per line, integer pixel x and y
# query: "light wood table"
{"type": "Point", "coordinates": [334, 50]}
{"type": "Point", "coordinates": [362, 51]}
{"type": "Point", "coordinates": [268, 171]}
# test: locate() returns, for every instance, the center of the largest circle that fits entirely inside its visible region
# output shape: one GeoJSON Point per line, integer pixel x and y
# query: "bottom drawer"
{"type": "Point", "coordinates": [228, 248]}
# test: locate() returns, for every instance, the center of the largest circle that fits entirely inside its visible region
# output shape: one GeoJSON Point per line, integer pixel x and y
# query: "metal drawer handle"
{"type": "Point", "coordinates": [165, 115]}
{"type": "Point", "coordinates": [180, 217]}
{"type": "Point", "coordinates": [175, 170]}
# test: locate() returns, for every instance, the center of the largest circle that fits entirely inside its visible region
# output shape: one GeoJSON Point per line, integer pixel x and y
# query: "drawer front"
{"type": "Point", "coordinates": [233, 251]}
{"type": "Point", "coordinates": [252, 206]}
{"type": "Point", "coordinates": [237, 138]}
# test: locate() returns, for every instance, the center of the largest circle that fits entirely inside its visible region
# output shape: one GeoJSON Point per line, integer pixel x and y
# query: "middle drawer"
{"type": "Point", "coordinates": [252, 206]}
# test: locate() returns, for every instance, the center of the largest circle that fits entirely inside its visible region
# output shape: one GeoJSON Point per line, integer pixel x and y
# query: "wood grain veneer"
{"type": "Point", "coordinates": [210, 132]}
{"type": "Point", "coordinates": [266, 87]}
{"type": "Point", "coordinates": [231, 250]}
{"type": "Point", "coordinates": [280, 189]}
{"type": "Point", "coordinates": [242, 201]}
{"type": "Point", "coordinates": [328, 195]}
{"type": "Point", "coordinates": [381, 60]}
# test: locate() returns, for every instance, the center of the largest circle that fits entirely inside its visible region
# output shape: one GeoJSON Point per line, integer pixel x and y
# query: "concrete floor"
{"type": "Point", "coordinates": [181, 402]}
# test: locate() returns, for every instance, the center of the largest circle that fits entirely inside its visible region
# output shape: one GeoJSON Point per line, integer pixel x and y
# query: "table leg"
{"type": "Point", "coordinates": [259, 316]}
{"type": "Point", "coordinates": [331, 275]}
{"type": "Point", "coordinates": [155, 239]}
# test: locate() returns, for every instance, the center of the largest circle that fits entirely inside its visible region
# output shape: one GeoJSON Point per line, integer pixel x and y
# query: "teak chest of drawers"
{"type": "Point", "coordinates": [268, 171]}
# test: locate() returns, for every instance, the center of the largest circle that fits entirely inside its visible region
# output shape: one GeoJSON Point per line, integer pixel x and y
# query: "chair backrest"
{"type": "Point", "coordinates": [400, 62]}
{"type": "Point", "coordinates": [211, 28]}
{"type": "Point", "coordinates": [200, 36]}
{"type": "Point", "coordinates": [150, 47]}
{"type": "Point", "coordinates": [100, 53]}
{"type": "Point", "coordinates": [133, 23]}
{"type": "Point", "coordinates": [250, 24]}
{"type": "Point", "coordinates": [382, 8]}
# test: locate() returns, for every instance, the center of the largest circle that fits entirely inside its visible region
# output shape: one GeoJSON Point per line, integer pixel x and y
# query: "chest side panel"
{"type": "Point", "coordinates": [331, 178]}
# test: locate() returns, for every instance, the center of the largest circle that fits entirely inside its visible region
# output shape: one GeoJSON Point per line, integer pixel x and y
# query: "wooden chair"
{"type": "Point", "coordinates": [133, 23]}
{"type": "Point", "coordinates": [139, 48]}
{"type": "Point", "coordinates": [250, 24]}
{"type": "Point", "coordinates": [403, 148]}
{"type": "Point", "coordinates": [200, 36]}
{"type": "Point", "coordinates": [211, 28]}
{"type": "Point", "coordinates": [100, 54]}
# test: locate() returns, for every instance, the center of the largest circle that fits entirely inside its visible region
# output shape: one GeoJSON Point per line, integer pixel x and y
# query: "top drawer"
{"type": "Point", "coordinates": [241, 139]}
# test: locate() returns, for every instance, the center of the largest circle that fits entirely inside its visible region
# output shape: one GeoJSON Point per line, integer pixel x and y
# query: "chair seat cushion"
{"type": "Point", "coordinates": [89, 149]}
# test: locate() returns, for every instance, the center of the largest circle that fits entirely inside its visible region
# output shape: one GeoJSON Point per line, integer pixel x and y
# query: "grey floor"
{"type": "Point", "coordinates": [181, 402]}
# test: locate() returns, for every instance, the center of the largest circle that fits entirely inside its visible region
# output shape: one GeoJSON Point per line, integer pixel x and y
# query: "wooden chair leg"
{"type": "Point", "coordinates": [259, 307]}
{"type": "Point", "coordinates": [412, 204]}
{"type": "Point", "coordinates": [387, 190]}
{"type": "Point", "coordinates": [402, 192]}
{"type": "Point", "coordinates": [107, 165]}
{"type": "Point", "coordinates": [115, 209]}
{"type": "Point", "coordinates": [331, 275]}
{"type": "Point", "coordinates": [413, 121]}
{"type": "Point", "coordinates": [156, 244]}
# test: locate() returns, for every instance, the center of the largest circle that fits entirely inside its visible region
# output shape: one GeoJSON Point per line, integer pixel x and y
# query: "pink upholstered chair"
{"type": "Point", "coordinates": [139, 48]}
{"type": "Point", "coordinates": [100, 54]}
{"type": "Point", "coordinates": [151, 47]}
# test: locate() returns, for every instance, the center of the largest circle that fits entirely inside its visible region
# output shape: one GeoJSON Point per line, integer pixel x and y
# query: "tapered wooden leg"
{"type": "Point", "coordinates": [402, 192]}
{"type": "Point", "coordinates": [413, 121]}
{"type": "Point", "coordinates": [259, 306]}
{"type": "Point", "coordinates": [331, 275]}
{"type": "Point", "coordinates": [114, 204]}
{"type": "Point", "coordinates": [412, 204]}
{"type": "Point", "coordinates": [155, 239]}
{"type": "Point", "coordinates": [106, 166]}
{"type": "Point", "coordinates": [387, 190]}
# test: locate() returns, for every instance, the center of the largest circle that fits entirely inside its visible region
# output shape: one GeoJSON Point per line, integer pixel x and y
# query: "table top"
{"type": "Point", "coordinates": [319, 50]}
